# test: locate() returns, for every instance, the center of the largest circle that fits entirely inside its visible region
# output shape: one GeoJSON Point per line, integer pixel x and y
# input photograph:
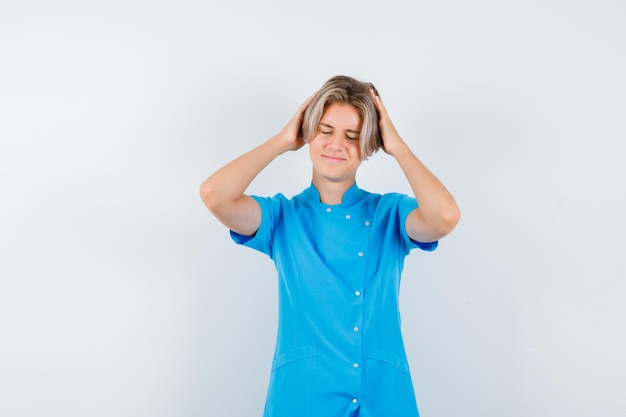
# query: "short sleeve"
{"type": "Point", "coordinates": [406, 205]}
{"type": "Point", "coordinates": [262, 239]}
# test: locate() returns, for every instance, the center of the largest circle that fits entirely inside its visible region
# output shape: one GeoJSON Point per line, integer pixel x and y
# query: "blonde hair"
{"type": "Point", "coordinates": [343, 89]}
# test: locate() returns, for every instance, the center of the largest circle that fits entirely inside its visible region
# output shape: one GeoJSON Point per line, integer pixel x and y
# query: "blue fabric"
{"type": "Point", "coordinates": [339, 349]}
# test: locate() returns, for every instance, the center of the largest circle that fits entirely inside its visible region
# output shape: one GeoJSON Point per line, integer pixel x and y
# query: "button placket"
{"type": "Point", "coordinates": [356, 329]}
{"type": "Point", "coordinates": [360, 226]}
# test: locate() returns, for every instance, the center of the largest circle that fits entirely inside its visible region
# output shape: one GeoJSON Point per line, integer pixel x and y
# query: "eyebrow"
{"type": "Point", "coordinates": [347, 130]}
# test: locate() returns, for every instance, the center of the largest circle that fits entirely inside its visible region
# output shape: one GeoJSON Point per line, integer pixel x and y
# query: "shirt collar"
{"type": "Point", "coordinates": [352, 195]}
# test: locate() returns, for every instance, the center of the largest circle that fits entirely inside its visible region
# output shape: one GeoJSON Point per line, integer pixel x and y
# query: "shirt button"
{"type": "Point", "coordinates": [360, 253]}
{"type": "Point", "coordinates": [355, 328]}
{"type": "Point", "coordinates": [355, 365]}
{"type": "Point", "coordinates": [328, 210]}
{"type": "Point", "coordinates": [347, 217]}
{"type": "Point", "coordinates": [354, 401]}
{"type": "Point", "coordinates": [357, 293]}
{"type": "Point", "coordinates": [367, 223]}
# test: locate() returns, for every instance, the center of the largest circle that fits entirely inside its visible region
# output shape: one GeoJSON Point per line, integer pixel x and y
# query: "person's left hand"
{"type": "Point", "coordinates": [391, 139]}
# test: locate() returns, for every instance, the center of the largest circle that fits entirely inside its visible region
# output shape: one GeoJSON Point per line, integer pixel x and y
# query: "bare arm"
{"type": "Point", "coordinates": [437, 213]}
{"type": "Point", "coordinates": [223, 191]}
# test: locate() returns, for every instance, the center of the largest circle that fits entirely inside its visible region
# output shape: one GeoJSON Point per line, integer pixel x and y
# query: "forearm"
{"type": "Point", "coordinates": [229, 183]}
{"type": "Point", "coordinates": [437, 208]}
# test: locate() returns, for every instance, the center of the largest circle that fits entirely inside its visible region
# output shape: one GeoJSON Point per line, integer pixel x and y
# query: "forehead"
{"type": "Point", "coordinates": [341, 115]}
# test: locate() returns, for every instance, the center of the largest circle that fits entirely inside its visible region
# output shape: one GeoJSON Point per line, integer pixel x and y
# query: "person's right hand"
{"type": "Point", "coordinates": [290, 135]}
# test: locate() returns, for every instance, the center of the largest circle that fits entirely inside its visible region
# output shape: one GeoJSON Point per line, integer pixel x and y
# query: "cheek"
{"type": "Point", "coordinates": [316, 142]}
{"type": "Point", "coordinates": [356, 151]}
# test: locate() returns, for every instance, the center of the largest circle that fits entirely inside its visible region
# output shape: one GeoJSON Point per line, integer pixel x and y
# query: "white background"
{"type": "Point", "coordinates": [120, 295]}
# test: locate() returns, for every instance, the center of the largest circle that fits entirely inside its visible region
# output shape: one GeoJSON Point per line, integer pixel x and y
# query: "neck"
{"type": "Point", "coordinates": [331, 192]}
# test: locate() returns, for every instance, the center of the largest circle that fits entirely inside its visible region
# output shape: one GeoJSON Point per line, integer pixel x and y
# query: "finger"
{"type": "Point", "coordinates": [378, 103]}
{"type": "Point", "coordinates": [297, 118]}
{"type": "Point", "coordinates": [306, 103]}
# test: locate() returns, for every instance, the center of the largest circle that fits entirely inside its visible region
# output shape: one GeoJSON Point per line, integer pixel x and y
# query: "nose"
{"type": "Point", "coordinates": [335, 140]}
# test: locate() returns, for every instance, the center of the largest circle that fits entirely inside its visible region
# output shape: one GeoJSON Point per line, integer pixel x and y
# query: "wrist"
{"type": "Point", "coordinates": [398, 149]}
{"type": "Point", "coordinates": [280, 144]}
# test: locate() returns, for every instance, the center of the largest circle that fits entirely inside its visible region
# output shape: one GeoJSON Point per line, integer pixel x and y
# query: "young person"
{"type": "Point", "coordinates": [339, 252]}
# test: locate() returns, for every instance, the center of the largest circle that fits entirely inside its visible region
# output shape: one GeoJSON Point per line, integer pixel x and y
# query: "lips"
{"type": "Point", "coordinates": [333, 158]}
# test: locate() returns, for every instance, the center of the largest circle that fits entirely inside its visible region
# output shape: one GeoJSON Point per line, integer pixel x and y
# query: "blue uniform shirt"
{"type": "Point", "coordinates": [339, 349]}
